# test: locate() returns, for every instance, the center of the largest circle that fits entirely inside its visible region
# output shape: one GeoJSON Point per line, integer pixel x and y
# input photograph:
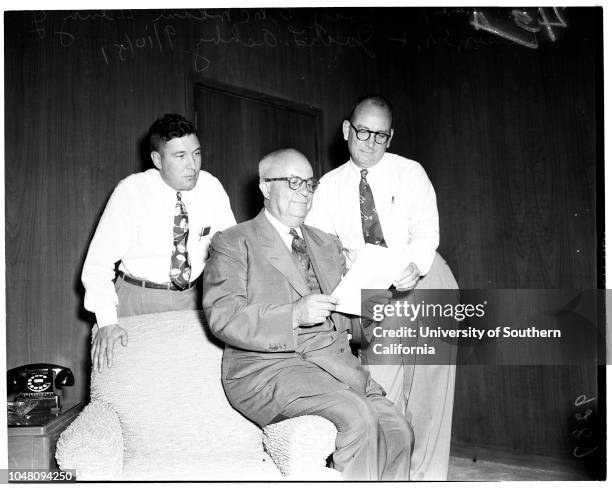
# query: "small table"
{"type": "Point", "coordinates": [32, 446]}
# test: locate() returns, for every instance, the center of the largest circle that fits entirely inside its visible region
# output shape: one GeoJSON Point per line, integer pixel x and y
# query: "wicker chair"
{"type": "Point", "coordinates": [160, 413]}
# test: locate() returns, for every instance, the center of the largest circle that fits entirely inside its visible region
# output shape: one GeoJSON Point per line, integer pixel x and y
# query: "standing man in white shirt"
{"type": "Point", "coordinates": [387, 200]}
{"type": "Point", "coordinates": [157, 225]}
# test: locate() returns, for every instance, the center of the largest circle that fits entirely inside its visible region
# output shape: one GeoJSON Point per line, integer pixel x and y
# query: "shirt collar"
{"type": "Point", "coordinates": [283, 230]}
{"type": "Point", "coordinates": [375, 170]}
{"type": "Point", "coordinates": [165, 188]}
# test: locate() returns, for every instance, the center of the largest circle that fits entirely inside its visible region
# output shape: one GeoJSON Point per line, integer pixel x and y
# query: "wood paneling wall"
{"type": "Point", "coordinates": [507, 134]}
{"type": "Point", "coordinates": [508, 137]}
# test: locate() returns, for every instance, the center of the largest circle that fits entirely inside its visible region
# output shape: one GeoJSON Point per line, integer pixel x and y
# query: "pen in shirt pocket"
{"type": "Point", "coordinates": [204, 232]}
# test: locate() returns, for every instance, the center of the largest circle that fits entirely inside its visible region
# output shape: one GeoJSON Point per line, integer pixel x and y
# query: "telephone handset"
{"type": "Point", "coordinates": [41, 383]}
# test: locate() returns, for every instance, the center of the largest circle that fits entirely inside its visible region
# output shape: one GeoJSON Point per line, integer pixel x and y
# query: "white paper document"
{"type": "Point", "coordinates": [375, 268]}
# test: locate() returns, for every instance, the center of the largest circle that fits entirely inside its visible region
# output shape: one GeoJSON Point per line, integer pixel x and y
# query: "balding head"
{"type": "Point", "coordinates": [275, 162]}
{"type": "Point", "coordinates": [374, 100]}
{"type": "Point", "coordinates": [289, 206]}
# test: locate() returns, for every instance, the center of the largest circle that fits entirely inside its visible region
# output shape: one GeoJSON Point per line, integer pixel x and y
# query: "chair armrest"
{"type": "Point", "coordinates": [92, 444]}
{"type": "Point", "coordinates": [300, 447]}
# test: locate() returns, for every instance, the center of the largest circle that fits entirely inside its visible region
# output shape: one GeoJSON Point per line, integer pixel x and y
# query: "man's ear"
{"type": "Point", "coordinates": [346, 129]}
{"type": "Point", "coordinates": [156, 157]}
{"type": "Point", "coordinates": [390, 138]}
{"type": "Point", "coordinates": [265, 189]}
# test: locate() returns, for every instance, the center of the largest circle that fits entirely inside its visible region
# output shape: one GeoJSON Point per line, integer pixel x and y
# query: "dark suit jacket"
{"type": "Point", "coordinates": [250, 284]}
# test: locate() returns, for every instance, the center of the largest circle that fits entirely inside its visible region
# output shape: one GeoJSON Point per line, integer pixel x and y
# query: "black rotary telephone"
{"type": "Point", "coordinates": [40, 383]}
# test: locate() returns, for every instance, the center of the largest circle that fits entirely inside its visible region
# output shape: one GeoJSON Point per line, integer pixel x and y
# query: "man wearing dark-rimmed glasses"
{"type": "Point", "coordinates": [296, 182]}
{"type": "Point", "coordinates": [387, 200]}
{"type": "Point", "coordinates": [267, 295]}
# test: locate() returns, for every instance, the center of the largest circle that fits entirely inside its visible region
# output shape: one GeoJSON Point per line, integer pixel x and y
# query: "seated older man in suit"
{"type": "Point", "coordinates": [266, 295]}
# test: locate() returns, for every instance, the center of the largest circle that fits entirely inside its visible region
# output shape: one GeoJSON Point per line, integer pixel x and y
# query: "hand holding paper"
{"type": "Point", "coordinates": [409, 278]}
{"type": "Point", "coordinates": [375, 268]}
{"type": "Point", "coordinates": [312, 309]}
{"type": "Point", "coordinates": [372, 298]}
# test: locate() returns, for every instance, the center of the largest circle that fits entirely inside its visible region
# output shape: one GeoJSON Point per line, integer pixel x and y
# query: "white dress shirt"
{"type": "Point", "coordinates": [136, 228]}
{"type": "Point", "coordinates": [405, 202]}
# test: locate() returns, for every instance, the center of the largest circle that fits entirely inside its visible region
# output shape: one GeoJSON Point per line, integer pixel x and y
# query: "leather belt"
{"type": "Point", "coordinates": [152, 285]}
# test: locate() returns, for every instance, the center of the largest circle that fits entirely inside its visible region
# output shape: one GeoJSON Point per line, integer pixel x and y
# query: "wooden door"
{"type": "Point", "coordinates": [237, 127]}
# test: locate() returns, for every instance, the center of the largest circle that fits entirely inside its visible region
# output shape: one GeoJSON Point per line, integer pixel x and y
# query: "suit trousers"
{"type": "Point", "coordinates": [136, 300]}
{"type": "Point", "coordinates": [374, 440]}
{"type": "Point", "coordinates": [424, 393]}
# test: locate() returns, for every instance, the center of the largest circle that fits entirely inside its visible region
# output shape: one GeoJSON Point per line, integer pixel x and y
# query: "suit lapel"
{"type": "Point", "coordinates": [278, 255]}
{"type": "Point", "coordinates": [320, 259]}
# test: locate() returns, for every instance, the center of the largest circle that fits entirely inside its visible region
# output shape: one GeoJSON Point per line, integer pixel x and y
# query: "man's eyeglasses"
{"type": "Point", "coordinates": [296, 182]}
{"type": "Point", "coordinates": [364, 135]}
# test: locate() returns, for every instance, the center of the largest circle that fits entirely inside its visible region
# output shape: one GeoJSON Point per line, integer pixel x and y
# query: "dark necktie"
{"type": "Point", "coordinates": [300, 252]}
{"type": "Point", "coordinates": [372, 232]}
{"type": "Point", "coordinates": [180, 270]}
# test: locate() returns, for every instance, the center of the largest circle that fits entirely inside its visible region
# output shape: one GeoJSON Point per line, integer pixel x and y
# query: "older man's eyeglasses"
{"type": "Point", "coordinates": [296, 182]}
{"type": "Point", "coordinates": [364, 135]}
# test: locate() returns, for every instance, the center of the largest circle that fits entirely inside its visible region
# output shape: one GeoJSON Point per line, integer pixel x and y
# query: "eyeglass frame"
{"type": "Point", "coordinates": [312, 180]}
{"type": "Point", "coordinates": [370, 133]}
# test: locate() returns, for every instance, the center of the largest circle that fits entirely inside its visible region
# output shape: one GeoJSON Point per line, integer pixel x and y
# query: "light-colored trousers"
{"type": "Point", "coordinates": [424, 393]}
{"type": "Point", "coordinates": [374, 440]}
{"type": "Point", "coordinates": [136, 300]}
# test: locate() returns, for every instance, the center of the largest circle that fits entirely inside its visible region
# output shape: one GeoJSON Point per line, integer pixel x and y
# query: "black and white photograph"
{"type": "Point", "coordinates": [298, 243]}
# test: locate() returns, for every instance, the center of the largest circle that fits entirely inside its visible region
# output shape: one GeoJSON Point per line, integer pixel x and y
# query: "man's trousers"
{"type": "Point", "coordinates": [374, 440]}
{"type": "Point", "coordinates": [136, 300]}
{"type": "Point", "coordinates": [424, 393]}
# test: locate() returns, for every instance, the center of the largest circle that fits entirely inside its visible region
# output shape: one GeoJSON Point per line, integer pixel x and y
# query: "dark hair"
{"type": "Point", "coordinates": [167, 127]}
{"type": "Point", "coordinates": [377, 100]}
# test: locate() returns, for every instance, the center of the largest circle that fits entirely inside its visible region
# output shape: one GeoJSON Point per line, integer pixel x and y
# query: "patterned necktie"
{"type": "Point", "coordinates": [180, 270]}
{"type": "Point", "coordinates": [300, 251]}
{"type": "Point", "coordinates": [372, 232]}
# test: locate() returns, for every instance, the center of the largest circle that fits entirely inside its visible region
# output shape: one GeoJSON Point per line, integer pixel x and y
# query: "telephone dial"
{"type": "Point", "coordinates": [40, 383]}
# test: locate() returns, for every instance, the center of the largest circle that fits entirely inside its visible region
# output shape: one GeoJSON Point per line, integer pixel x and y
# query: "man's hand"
{"type": "Point", "coordinates": [409, 278]}
{"type": "Point", "coordinates": [313, 309]}
{"type": "Point", "coordinates": [376, 297]}
{"type": "Point", "coordinates": [104, 344]}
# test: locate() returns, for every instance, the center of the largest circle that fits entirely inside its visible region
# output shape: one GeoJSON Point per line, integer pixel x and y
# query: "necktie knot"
{"type": "Point", "coordinates": [298, 243]}
{"type": "Point", "coordinates": [364, 174]}
{"type": "Point", "coordinates": [178, 195]}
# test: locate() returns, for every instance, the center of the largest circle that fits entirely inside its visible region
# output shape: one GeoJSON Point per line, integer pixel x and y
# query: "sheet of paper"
{"type": "Point", "coordinates": [375, 268]}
